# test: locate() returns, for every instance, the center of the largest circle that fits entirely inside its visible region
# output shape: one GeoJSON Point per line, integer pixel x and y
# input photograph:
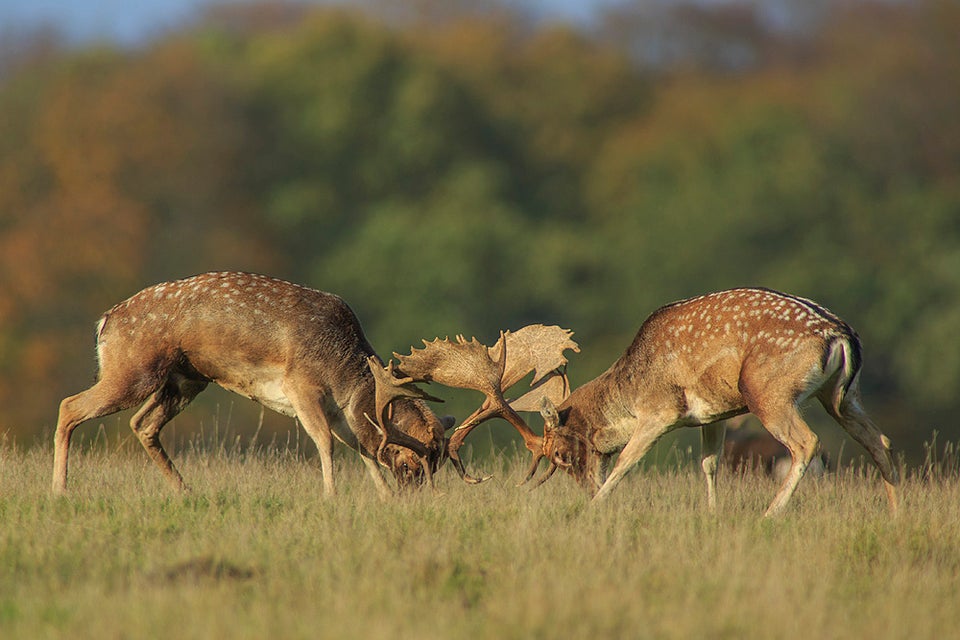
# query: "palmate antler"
{"type": "Point", "coordinates": [492, 370]}
{"type": "Point", "coordinates": [389, 388]}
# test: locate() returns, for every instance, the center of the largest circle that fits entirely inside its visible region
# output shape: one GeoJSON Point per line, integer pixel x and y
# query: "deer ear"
{"type": "Point", "coordinates": [551, 419]}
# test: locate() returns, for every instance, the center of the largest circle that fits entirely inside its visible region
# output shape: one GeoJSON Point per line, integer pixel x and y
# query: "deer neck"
{"type": "Point", "coordinates": [600, 414]}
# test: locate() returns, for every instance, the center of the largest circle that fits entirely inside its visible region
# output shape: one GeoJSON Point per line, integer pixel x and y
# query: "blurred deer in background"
{"type": "Point", "coordinates": [697, 362]}
{"type": "Point", "coordinates": [747, 449]}
{"type": "Point", "coordinates": [295, 350]}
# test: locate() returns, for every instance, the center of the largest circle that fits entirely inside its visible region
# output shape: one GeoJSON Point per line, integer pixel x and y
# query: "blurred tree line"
{"type": "Point", "coordinates": [453, 169]}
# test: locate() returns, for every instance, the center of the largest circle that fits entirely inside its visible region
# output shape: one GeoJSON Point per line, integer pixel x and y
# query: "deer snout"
{"type": "Point", "coordinates": [406, 468]}
{"type": "Point", "coordinates": [563, 458]}
{"type": "Point", "coordinates": [565, 452]}
{"type": "Point", "coordinates": [575, 458]}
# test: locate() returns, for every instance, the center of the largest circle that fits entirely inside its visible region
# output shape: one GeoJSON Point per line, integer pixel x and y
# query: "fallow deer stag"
{"type": "Point", "coordinates": [295, 350]}
{"type": "Point", "coordinates": [492, 371]}
{"type": "Point", "coordinates": [699, 361]}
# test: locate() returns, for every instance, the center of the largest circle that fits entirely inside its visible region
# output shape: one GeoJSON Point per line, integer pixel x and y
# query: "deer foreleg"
{"type": "Point", "coordinates": [711, 448]}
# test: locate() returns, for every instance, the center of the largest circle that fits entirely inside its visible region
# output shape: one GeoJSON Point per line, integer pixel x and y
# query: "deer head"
{"type": "Point", "coordinates": [568, 448]}
{"type": "Point", "coordinates": [410, 460]}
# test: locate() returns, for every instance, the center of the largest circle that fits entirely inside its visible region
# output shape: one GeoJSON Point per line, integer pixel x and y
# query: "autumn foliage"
{"type": "Point", "coordinates": [462, 172]}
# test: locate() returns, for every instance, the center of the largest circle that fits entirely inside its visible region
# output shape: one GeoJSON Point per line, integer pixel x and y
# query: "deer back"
{"type": "Point", "coordinates": [688, 362]}
{"type": "Point", "coordinates": [250, 333]}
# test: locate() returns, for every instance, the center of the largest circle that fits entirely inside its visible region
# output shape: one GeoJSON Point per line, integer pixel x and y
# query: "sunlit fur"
{"type": "Point", "coordinates": [296, 350]}
{"type": "Point", "coordinates": [699, 361]}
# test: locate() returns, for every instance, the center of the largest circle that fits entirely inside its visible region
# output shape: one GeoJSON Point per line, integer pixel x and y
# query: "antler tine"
{"type": "Point", "coordinates": [502, 360]}
{"type": "Point", "coordinates": [546, 475]}
{"type": "Point", "coordinates": [554, 385]}
{"type": "Point", "coordinates": [482, 414]}
{"type": "Point", "coordinates": [387, 389]}
{"type": "Point", "coordinates": [464, 364]}
{"type": "Point", "coordinates": [459, 363]}
{"type": "Point", "coordinates": [536, 348]}
{"type": "Point", "coordinates": [531, 440]}
{"type": "Point", "coordinates": [471, 365]}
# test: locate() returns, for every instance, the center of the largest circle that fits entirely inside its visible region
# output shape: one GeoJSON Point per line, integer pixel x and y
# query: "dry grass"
{"type": "Point", "coordinates": [256, 552]}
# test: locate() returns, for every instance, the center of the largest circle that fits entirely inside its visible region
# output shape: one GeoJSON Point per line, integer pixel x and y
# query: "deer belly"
{"type": "Point", "coordinates": [267, 391]}
{"type": "Point", "coordinates": [705, 409]}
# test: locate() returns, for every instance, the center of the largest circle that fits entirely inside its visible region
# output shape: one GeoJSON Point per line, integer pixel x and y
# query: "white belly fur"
{"type": "Point", "coordinates": [267, 391]}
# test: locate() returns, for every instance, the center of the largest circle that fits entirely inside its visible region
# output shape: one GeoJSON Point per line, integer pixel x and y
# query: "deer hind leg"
{"type": "Point", "coordinates": [711, 447]}
{"type": "Point", "coordinates": [788, 427]}
{"type": "Point", "coordinates": [157, 411]}
{"type": "Point", "coordinates": [102, 399]}
{"type": "Point", "coordinates": [855, 421]}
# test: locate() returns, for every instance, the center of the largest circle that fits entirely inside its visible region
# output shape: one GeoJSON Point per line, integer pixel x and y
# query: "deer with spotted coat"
{"type": "Point", "coordinates": [295, 350]}
{"type": "Point", "coordinates": [693, 363]}
{"type": "Point", "coordinates": [697, 362]}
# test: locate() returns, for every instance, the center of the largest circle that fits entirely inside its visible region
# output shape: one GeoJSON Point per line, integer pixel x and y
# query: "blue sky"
{"type": "Point", "coordinates": [130, 21]}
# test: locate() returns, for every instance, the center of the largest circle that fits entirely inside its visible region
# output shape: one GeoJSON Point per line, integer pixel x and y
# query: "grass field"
{"type": "Point", "coordinates": [256, 552]}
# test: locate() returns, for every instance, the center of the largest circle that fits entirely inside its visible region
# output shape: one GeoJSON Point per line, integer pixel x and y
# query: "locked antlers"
{"type": "Point", "coordinates": [492, 370]}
